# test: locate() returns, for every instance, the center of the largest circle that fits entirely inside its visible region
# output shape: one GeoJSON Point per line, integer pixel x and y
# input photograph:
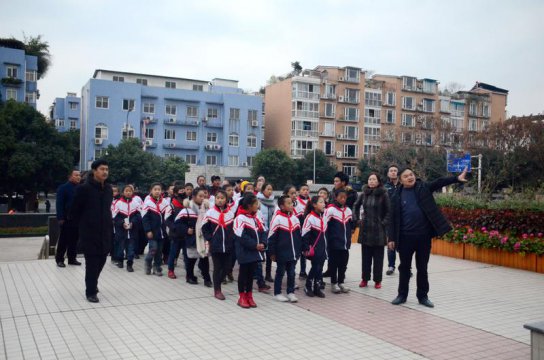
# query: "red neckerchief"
{"type": "Point", "coordinates": [157, 203]}
{"type": "Point", "coordinates": [303, 201]}
{"type": "Point", "coordinates": [221, 220]}
{"type": "Point", "coordinates": [320, 219]}
{"type": "Point", "coordinates": [242, 211]}
{"type": "Point", "coordinates": [288, 216]}
{"type": "Point", "coordinates": [341, 209]}
{"type": "Point", "coordinates": [176, 203]}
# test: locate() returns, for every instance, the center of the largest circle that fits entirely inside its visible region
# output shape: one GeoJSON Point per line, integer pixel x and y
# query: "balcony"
{"type": "Point", "coordinates": [300, 153]}
{"type": "Point", "coordinates": [186, 146]}
{"type": "Point", "coordinates": [327, 134]}
{"type": "Point", "coordinates": [212, 122]}
{"type": "Point", "coordinates": [328, 116]}
{"type": "Point", "coordinates": [305, 95]}
{"type": "Point", "coordinates": [305, 114]}
{"type": "Point", "coordinates": [190, 121]}
{"type": "Point", "coordinates": [149, 120]}
{"type": "Point", "coordinates": [458, 113]}
{"type": "Point", "coordinates": [328, 96]}
{"type": "Point", "coordinates": [213, 147]}
{"type": "Point", "coordinates": [388, 104]}
{"type": "Point", "coordinates": [343, 155]}
{"type": "Point", "coordinates": [11, 81]}
{"type": "Point", "coordinates": [348, 99]}
{"type": "Point", "coordinates": [305, 133]}
{"type": "Point", "coordinates": [347, 137]}
{"type": "Point", "coordinates": [352, 80]}
{"type": "Point", "coordinates": [348, 119]}
{"type": "Point", "coordinates": [374, 103]}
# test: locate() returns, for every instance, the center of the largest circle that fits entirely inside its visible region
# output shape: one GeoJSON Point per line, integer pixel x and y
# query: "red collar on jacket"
{"type": "Point", "coordinates": [319, 217]}
{"type": "Point", "coordinates": [242, 211]}
{"type": "Point", "coordinates": [176, 203]}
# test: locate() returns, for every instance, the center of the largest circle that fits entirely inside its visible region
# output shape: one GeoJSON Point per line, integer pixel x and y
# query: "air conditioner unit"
{"type": "Point", "coordinates": [341, 78]}
{"type": "Point", "coordinates": [244, 164]}
{"type": "Point", "coordinates": [254, 123]}
{"type": "Point", "coordinates": [98, 141]}
{"type": "Point", "coordinates": [217, 147]}
{"type": "Point", "coordinates": [148, 142]}
{"type": "Point", "coordinates": [172, 145]}
{"type": "Point", "coordinates": [341, 98]}
{"type": "Point", "coordinates": [339, 154]}
{"type": "Point", "coordinates": [340, 136]}
{"type": "Point", "coordinates": [172, 120]}
{"type": "Point", "coordinates": [209, 147]}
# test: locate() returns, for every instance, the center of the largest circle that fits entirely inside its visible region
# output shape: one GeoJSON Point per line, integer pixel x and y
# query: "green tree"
{"type": "Point", "coordinates": [304, 169]}
{"type": "Point", "coordinates": [34, 45]}
{"type": "Point", "coordinates": [171, 169]}
{"type": "Point", "coordinates": [33, 155]}
{"type": "Point", "coordinates": [297, 68]}
{"type": "Point", "coordinates": [275, 165]}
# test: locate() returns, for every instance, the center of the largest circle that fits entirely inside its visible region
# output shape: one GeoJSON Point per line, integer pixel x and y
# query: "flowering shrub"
{"type": "Point", "coordinates": [493, 239]}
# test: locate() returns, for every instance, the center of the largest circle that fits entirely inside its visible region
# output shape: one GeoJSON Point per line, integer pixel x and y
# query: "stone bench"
{"type": "Point", "coordinates": [537, 339]}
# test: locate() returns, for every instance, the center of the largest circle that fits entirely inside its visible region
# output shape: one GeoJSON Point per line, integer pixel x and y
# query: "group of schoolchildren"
{"type": "Point", "coordinates": [232, 223]}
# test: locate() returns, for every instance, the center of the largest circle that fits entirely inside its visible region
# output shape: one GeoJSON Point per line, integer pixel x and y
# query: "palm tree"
{"type": "Point", "coordinates": [34, 45]}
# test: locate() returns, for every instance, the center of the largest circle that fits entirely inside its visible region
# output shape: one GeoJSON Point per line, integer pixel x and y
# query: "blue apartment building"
{"type": "Point", "coordinates": [18, 76]}
{"type": "Point", "coordinates": [208, 124]}
{"type": "Point", "coordinates": [65, 112]}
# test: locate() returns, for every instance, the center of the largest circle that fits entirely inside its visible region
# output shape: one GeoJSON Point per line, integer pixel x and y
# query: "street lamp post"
{"type": "Point", "coordinates": [314, 164]}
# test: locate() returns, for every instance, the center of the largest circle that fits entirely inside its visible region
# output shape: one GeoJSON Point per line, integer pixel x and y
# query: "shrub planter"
{"type": "Point", "coordinates": [445, 248]}
{"type": "Point", "coordinates": [488, 256]}
{"type": "Point", "coordinates": [540, 264]}
{"type": "Point", "coordinates": [517, 261]}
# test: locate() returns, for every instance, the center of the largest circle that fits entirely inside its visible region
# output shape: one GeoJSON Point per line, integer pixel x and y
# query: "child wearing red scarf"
{"type": "Point", "coordinates": [250, 243]}
{"type": "Point", "coordinates": [217, 230]}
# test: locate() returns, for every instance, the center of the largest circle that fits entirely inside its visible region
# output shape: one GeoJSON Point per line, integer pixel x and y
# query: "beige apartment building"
{"type": "Point", "coordinates": [347, 116]}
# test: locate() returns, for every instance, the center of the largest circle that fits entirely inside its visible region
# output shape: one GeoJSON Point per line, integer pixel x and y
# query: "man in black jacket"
{"type": "Point", "coordinates": [415, 220]}
{"type": "Point", "coordinates": [91, 210]}
{"type": "Point", "coordinates": [67, 243]}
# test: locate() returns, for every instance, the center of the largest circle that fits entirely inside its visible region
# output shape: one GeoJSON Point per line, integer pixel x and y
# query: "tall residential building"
{"type": "Point", "coordinates": [348, 116]}
{"type": "Point", "coordinates": [210, 124]}
{"type": "Point", "coordinates": [65, 112]}
{"type": "Point", "coordinates": [19, 76]}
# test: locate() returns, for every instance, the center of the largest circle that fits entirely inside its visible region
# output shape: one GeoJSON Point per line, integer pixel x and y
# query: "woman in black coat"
{"type": "Point", "coordinates": [415, 220]}
{"type": "Point", "coordinates": [371, 211]}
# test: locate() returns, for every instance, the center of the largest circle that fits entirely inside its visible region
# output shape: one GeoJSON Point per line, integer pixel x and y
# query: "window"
{"type": "Point", "coordinates": [170, 110]}
{"type": "Point", "coordinates": [428, 105]}
{"type": "Point", "coordinates": [149, 133]}
{"type": "Point", "coordinates": [408, 103]}
{"type": "Point", "coordinates": [389, 135]}
{"type": "Point", "coordinates": [73, 105]}
{"type": "Point", "coordinates": [235, 114]}
{"type": "Point", "coordinates": [234, 125]}
{"type": "Point", "coordinates": [330, 110]}
{"type": "Point", "coordinates": [252, 141]}
{"type": "Point", "coordinates": [328, 128]}
{"type": "Point", "coordinates": [31, 75]}
{"type": "Point", "coordinates": [373, 99]}
{"type": "Point", "coordinates": [328, 147]}
{"type": "Point", "coordinates": [352, 114]}
{"type": "Point", "coordinates": [352, 74]}
{"type": "Point", "coordinates": [191, 136]}
{"type": "Point", "coordinates": [472, 125]}
{"type": "Point", "coordinates": [250, 160]}
{"type": "Point", "coordinates": [170, 84]}
{"type": "Point", "coordinates": [102, 102]}
{"type": "Point", "coordinates": [211, 137]}
{"type": "Point", "coordinates": [11, 94]}
{"type": "Point", "coordinates": [351, 132]}
{"type": "Point", "coordinates": [406, 137]}
{"type": "Point", "coordinates": [429, 86]}
{"type": "Point", "coordinates": [213, 113]}
{"type": "Point", "coordinates": [485, 124]}
{"type": "Point", "coordinates": [473, 109]}
{"type": "Point", "coordinates": [233, 160]}
{"type": "Point", "coordinates": [372, 116]}
{"type": "Point", "coordinates": [170, 155]}
{"type": "Point", "coordinates": [444, 105]}
{"type": "Point", "coordinates": [390, 98]}
{"type": "Point", "coordinates": [350, 151]}
{"type": "Point", "coordinates": [30, 97]}
{"type": "Point", "coordinates": [198, 87]}
{"type": "Point", "coordinates": [98, 153]}
{"type": "Point", "coordinates": [59, 123]}
{"type": "Point", "coordinates": [190, 159]}
{"type": "Point", "coordinates": [252, 115]}
{"type": "Point", "coordinates": [408, 82]}
{"type": "Point", "coordinates": [408, 120]}
{"type": "Point", "coordinates": [11, 71]}
{"type": "Point", "coordinates": [352, 96]}
{"type": "Point", "coordinates": [372, 133]}
{"type": "Point", "coordinates": [73, 124]}
{"type": "Point", "coordinates": [149, 108]}
{"type": "Point", "coordinates": [141, 81]}
{"type": "Point", "coordinates": [118, 78]}
{"type": "Point", "coordinates": [349, 169]}
{"type": "Point", "coordinates": [370, 150]}
{"type": "Point", "coordinates": [100, 131]}
{"type": "Point", "coordinates": [485, 110]}
{"type": "Point", "coordinates": [128, 104]}
{"type": "Point", "coordinates": [130, 132]}
{"type": "Point", "coordinates": [330, 91]}
{"type": "Point", "coordinates": [169, 134]}
{"type": "Point", "coordinates": [192, 111]}
{"type": "Point", "coordinates": [233, 139]}
{"type": "Point", "coordinates": [211, 160]}
{"type": "Point", "coordinates": [390, 116]}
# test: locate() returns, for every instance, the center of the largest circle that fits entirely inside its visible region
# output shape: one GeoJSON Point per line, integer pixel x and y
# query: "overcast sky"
{"type": "Point", "coordinates": [497, 42]}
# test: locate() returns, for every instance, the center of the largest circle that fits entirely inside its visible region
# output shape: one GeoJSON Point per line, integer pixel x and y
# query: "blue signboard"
{"type": "Point", "coordinates": [457, 162]}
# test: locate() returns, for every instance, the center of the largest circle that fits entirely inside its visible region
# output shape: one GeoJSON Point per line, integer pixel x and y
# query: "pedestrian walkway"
{"type": "Point", "coordinates": [479, 314]}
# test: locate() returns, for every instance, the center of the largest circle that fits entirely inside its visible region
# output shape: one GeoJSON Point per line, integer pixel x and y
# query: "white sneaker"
{"type": "Point", "coordinates": [344, 288]}
{"type": "Point", "coordinates": [297, 286]}
{"type": "Point", "coordinates": [335, 289]}
{"type": "Point", "coordinates": [281, 298]}
{"type": "Point", "coordinates": [292, 298]}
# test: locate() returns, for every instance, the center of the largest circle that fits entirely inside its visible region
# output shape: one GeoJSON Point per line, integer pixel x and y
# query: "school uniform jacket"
{"type": "Point", "coordinates": [126, 208]}
{"type": "Point", "coordinates": [284, 239]}
{"type": "Point", "coordinates": [314, 232]}
{"type": "Point", "coordinates": [339, 225]}
{"type": "Point", "coordinates": [152, 213]}
{"type": "Point", "coordinates": [300, 208]}
{"type": "Point", "coordinates": [186, 219]}
{"type": "Point", "coordinates": [170, 216]}
{"type": "Point", "coordinates": [217, 229]}
{"type": "Point", "coordinates": [248, 231]}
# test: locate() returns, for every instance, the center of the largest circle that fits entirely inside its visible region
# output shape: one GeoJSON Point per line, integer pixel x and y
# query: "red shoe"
{"type": "Point", "coordinates": [250, 301]}
{"type": "Point", "coordinates": [242, 301]}
{"type": "Point", "coordinates": [363, 283]}
{"type": "Point", "coordinates": [219, 295]}
{"type": "Point", "coordinates": [378, 285]}
{"type": "Point", "coordinates": [171, 274]}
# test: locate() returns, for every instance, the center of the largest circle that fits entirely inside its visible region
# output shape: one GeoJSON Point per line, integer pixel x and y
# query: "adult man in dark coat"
{"type": "Point", "coordinates": [91, 210]}
{"type": "Point", "coordinates": [67, 243]}
{"type": "Point", "coordinates": [415, 220]}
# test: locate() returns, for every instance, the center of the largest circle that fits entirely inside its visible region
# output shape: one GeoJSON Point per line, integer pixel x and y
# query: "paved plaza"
{"type": "Point", "coordinates": [479, 314]}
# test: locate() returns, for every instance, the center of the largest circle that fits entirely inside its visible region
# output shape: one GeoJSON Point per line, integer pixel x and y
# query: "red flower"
{"type": "Point", "coordinates": [517, 246]}
{"type": "Point", "coordinates": [525, 236]}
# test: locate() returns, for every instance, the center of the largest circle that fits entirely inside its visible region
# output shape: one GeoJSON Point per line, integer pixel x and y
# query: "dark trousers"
{"type": "Point", "coordinates": [391, 256]}
{"type": "Point", "coordinates": [125, 243]}
{"type": "Point", "coordinates": [302, 263]}
{"type": "Point", "coordinates": [93, 268]}
{"type": "Point", "coordinates": [203, 266]}
{"type": "Point", "coordinates": [245, 277]}
{"type": "Point", "coordinates": [268, 266]}
{"type": "Point", "coordinates": [221, 263]}
{"type": "Point", "coordinates": [283, 267]}
{"type": "Point", "coordinates": [372, 255]}
{"type": "Point", "coordinates": [316, 271]}
{"type": "Point", "coordinates": [338, 264]}
{"type": "Point", "coordinates": [175, 246]}
{"type": "Point", "coordinates": [67, 243]}
{"type": "Point", "coordinates": [154, 253]}
{"type": "Point", "coordinates": [166, 250]}
{"type": "Point", "coordinates": [421, 246]}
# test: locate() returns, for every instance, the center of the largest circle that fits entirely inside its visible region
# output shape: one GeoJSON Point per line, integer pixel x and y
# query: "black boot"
{"type": "Point", "coordinates": [129, 267]}
{"type": "Point", "coordinates": [120, 264]}
{"type": "Point", "coordinates": [317, 290]}
{"type": "Point", "coordinates": [308, 289]}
